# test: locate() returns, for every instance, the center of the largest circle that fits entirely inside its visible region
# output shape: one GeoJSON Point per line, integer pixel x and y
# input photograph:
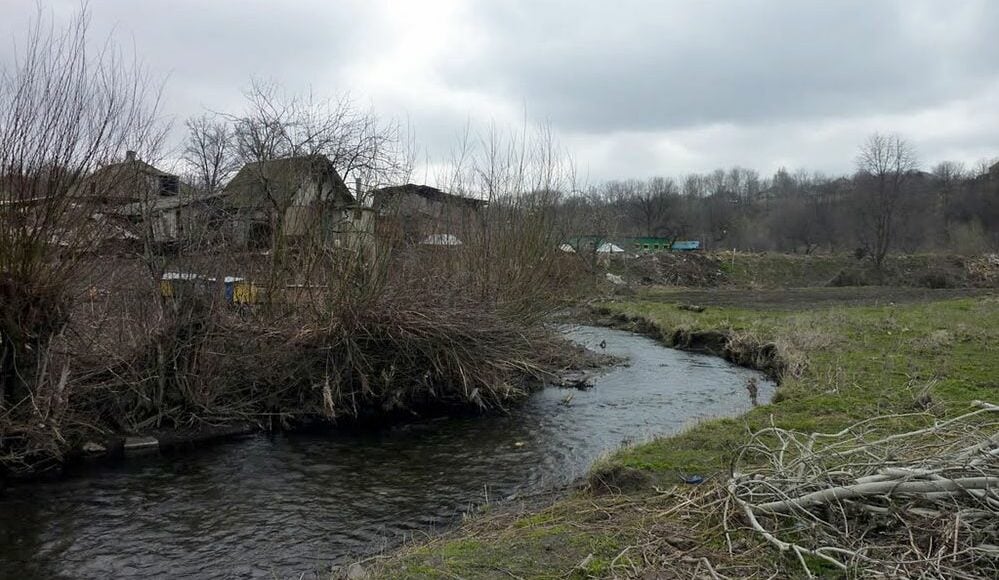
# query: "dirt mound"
{"type": "Point", "coordinates": [984, 270]}
{"type": "Point", "coordinates": [677, 269]}
{"type": "Point", "coordinates": [925, 272]}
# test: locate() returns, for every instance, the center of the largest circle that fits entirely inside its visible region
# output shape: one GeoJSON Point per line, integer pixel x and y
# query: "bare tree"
{"type": "Point", "coordinates": [210, 152]}
{"type": "Point", "coordinates": [803, 220]}
{"type": "Point", "coordinates": [949, 175]}
{"type": "Point", "coordinates": [65, 111]}
{"type": "Point", "coordinates": [359, 144]}
{"type": "Point", "coordinates": [984, 166]}
{"type": "Point", "coordinates": [883, 166]}
{"type": "Point", "coordinates": [656, 204]}
{"type": "Point", "coordinates": [693, 186]}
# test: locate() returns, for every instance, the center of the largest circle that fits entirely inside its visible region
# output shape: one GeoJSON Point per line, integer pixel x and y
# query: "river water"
{"type": "Point", "coordinates": [284, 506]}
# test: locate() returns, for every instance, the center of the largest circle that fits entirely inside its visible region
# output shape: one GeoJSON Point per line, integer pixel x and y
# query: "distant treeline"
{"type": "Point", "coordinates": [885, 204]}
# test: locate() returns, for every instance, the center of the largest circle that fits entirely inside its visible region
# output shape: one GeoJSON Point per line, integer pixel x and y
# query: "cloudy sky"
{"type": "Point", "coordinates": [633, 88]}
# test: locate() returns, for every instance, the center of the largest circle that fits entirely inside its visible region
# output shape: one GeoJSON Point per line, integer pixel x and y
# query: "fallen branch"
{"type": "Point", "coordinates": [915, 503]}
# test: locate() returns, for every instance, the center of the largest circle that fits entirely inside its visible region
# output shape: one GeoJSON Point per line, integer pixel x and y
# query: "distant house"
{"type": "Point", "coordinates": [141, 201]}
{"type": "Point", "coordinates": [648, 244]}
{"type": "Point", "coordinates": [296, 197]}
{"type": "Point", "coordinates": [413, 212]}
{"type": "Point", "coordinates": [127, 181]}
{"type": "Point", "coordinates": [441, 240]}
{"type": "Point", "coordinates": [686, 246]}
{"type": "Point", "coordinates": [177, 218]}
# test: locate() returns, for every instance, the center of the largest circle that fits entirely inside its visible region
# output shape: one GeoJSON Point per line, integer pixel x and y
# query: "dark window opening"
{"type": "Point", "coordinates": [259, 236]}
{"type": "Point", "coordinates": [169, 185]}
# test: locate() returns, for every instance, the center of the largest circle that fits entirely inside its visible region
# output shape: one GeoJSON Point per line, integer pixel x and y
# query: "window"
{"type": "Point", "coordinates": [259, 236]}
{"type": "Point", "coordinates": [169, 185]}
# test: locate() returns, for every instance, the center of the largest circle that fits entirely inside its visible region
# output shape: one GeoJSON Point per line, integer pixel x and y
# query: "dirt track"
{"type": "Point", "coordinates": [804, 298]}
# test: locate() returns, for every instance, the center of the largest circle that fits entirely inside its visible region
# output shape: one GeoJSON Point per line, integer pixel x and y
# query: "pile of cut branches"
{"type": "Point", "coordinates": [875, 502]}
{"type": "Point", "coordinates": [395, 357]}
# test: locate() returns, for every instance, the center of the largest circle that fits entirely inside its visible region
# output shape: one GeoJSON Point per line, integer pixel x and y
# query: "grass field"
{"type": "Point", "coordinates": [845, 360]}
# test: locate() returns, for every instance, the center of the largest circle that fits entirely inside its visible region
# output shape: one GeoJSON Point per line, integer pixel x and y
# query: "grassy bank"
{"type": "Point", "coordinates": [843, 363]}
{"type": "Point", "coordinates": [763, 270]}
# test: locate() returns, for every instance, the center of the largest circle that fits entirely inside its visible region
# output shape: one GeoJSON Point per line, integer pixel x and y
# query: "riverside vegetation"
{"type": "Point", "coordinates": [917, 363]}
{"type": "Point", "coordinates": [93, 351]}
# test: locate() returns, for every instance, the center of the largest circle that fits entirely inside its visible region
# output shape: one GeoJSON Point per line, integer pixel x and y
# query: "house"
{"type": "Point", "coordinates": [441, 240]}
{"type": "Point", "coordinates": [648, 244]}
{"type": "Point", "coordinates": [413, 213]}
{"type": "Point", "coordinates": [140, 201]}
{"type": "Point", "coordinates": [128, 181]}
{"type": "Point", "coordinates": [298, 198]}
{"type": "Point", "coordinates": [184, 217]}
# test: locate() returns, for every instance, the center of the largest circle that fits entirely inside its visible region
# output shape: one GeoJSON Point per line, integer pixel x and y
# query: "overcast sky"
{"type": "Point", "coordinates": [633, 88]}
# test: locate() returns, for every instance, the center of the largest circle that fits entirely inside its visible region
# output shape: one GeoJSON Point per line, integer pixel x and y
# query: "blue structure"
{"type": "Point", "coordinates": [687, 246]}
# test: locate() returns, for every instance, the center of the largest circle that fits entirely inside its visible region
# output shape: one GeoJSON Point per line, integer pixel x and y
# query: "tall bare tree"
{"type": "Point", "coordinates": [279, 124]}
{"type": "Point", "coordinates": [949, 175]}
{"type": "Point", "coordinates": [884, 164]}
{"type": "Point", "coordinates": [210, 151]}
{"type": "Point", "coordinates": [656, 204]}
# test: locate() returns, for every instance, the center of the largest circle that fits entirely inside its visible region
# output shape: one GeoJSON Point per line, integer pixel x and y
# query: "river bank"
{"type": "Point", "coordinates": [561, 365]}
{"type": "Point", "coordinates": [284, 504]}
{"type": "Point", "coordinates": [843, 363]}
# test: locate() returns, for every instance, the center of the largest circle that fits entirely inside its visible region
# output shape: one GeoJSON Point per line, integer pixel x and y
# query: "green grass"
{"type": "Point", "coordinates": [774, 270]}
{"type": "Point", "coordinates": [777, 270]}
{"type": "Point", "coordinates": [854, 362]}
{"type": "Point", "coordinates": [860, 361]}
{"type": "Point", "coordinates": [567, 538]}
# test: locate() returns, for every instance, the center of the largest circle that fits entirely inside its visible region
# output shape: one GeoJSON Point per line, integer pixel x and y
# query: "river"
{"type": "Point", "coordinates": [283, 506]}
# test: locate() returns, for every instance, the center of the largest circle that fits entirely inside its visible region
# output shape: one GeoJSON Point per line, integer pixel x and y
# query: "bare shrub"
{"type": "Point", "coordinates": [65, 110]}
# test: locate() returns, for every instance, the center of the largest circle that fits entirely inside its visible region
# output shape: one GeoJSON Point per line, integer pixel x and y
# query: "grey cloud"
{"type": "Point", "coordinates": [638, 87]}
{"type": "Point", "coordinates": [206, 52]}
{"type": "Point", "coordinates": [655, 65]}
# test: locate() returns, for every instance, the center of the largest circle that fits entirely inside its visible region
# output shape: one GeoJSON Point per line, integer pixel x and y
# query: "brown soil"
{"type": "Point", "coordinates": [805, 298]}
{"type": "Point", "coordinates": [675, 269]}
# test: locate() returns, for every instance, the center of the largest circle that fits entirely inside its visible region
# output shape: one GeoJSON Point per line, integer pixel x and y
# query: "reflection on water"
{"type": "Point", "coordinates": [282, 506]}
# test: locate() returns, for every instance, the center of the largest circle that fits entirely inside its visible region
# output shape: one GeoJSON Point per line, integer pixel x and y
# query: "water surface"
{"type": "Point", "coordinates": [286, 505]}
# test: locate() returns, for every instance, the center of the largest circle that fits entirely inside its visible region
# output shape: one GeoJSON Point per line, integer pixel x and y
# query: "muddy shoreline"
{"type": "Point", "coordinates": [764, 357]}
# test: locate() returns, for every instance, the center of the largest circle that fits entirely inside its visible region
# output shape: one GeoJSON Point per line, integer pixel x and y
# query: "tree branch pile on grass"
{"type": "Point", "coordinates": [876, 502]}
